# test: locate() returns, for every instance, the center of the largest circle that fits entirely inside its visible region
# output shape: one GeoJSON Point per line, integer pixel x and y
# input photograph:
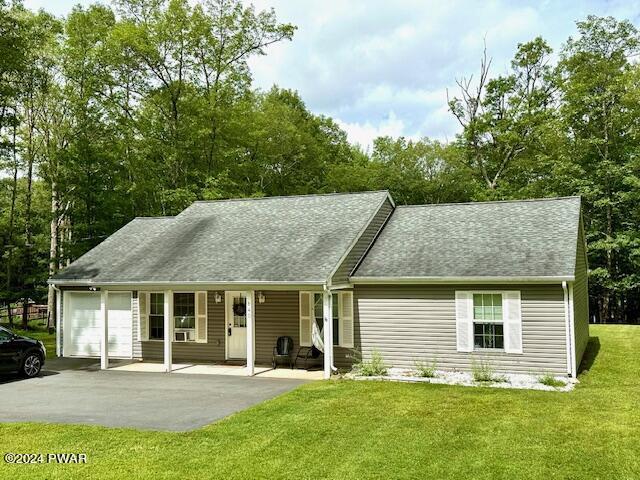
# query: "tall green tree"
{"type": "Point", "coordinates": [415, 172]}
{"type": "Point", "coordinates": [505, 120]}
{"type": "Point", "coordinates": [13, 63]}
{"type": "Point", "coordinates": [602, 116]}
{"type": "Point", "coordinates": [195, 74]}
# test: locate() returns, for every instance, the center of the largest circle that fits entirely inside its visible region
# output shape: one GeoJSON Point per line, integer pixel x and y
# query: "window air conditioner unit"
{"type": "Point", "coordinates": [181, 336]}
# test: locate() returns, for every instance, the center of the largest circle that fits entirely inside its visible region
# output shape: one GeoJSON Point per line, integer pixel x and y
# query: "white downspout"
{"type": "Point", "coordinates": [328, 331]}
{"type": "Point", "coordinates": [574, 366]}
{"type": "Point", "coordinates": [568, 329]}
{"type": "Point", "coordinates": [58, 320]}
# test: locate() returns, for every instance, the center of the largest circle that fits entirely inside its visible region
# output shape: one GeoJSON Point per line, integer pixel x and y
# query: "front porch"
{"type": "Point", "coordinates": [223, 331]}
{"type": "Point", "coordinates": [220, 369]}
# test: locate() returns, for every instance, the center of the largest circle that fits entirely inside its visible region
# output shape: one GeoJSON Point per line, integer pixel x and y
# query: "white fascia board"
{"type": "Point", "coordinates": [456, 280]}
{"type": "Point", "coordinates": [255, 285]}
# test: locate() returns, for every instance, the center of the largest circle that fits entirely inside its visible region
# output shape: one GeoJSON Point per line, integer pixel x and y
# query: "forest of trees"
{"type": "Point", "coordinates": [142, 107]}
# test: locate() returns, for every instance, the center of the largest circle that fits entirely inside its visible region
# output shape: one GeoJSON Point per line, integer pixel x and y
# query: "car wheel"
{"type": "Point", "coordinates": [31, 365]}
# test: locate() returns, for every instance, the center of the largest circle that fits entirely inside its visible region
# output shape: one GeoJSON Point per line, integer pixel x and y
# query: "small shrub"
{"type": "Point", "coordinates": [551, 381]}
{"type": "Point", "coordinates": [425, 370]}
{"type": "Point", "coordinates": [483, 372]}
{"type": "Point", "coordinates": [373, 368]}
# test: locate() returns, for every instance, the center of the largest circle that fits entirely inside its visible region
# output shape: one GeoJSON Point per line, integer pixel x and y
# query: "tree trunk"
{"type": "Point", "coordinates": [10, 315]}
{"type": "Point", "coordinates": [27, 268]}
{"type": "Point", "coordinates": [604, 309]}
{"type": "Point", "coordinates": [25, 313]}
{"type": "Point", "coordinates": [53, 255]}
{"type": "Point", "coordinates": [12, 212]}
{"type": "Point", "coordinates": [27, 211]}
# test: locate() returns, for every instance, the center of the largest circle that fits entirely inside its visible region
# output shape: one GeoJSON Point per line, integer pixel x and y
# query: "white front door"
{"type": "Point", "coordinates": [236, 322]}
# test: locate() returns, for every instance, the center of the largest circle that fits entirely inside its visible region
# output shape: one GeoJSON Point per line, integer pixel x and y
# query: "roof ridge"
{"type": "Point", "coordinates": [163, 217]}
{"type": "Point", "coordinates": [274, 197]}
{"type": "Point", "coordinates": [522, 200]}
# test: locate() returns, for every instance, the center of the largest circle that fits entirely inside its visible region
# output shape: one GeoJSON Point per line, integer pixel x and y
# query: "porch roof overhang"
{"type": "Point", "coordinates": [151, 285]}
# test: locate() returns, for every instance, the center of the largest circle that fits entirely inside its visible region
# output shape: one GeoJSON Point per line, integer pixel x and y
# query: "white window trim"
{"type": "Point", "coordinates": [173, 317]}
{"type": "Point", "coordinates": [473, 320]}
{"type": "Point", "coordinates": [507, 347]}
{"type": "Point", "coordinates": [312, 316]}
{"type": "Point", "coordinates": [173, 340]}
{"type": "Point", "coordinates": [149, 339]}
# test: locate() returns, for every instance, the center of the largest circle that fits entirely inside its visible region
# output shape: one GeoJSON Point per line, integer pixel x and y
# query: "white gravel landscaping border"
{"type": "Point", "coordinates": [518, 381]}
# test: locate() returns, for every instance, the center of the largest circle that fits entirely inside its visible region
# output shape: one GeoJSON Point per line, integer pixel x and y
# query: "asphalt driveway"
{"type": "Point", "coordinates": [76, 391]}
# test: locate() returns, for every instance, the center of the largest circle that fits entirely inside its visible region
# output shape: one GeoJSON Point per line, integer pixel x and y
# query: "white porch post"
{"type": "Point", "coordinates": [168, 329]}
{"type": "Point", "coordinates": [327, 315]}
{"type": "Point", "coordinates": [251, 317]}
{"type": "Point", "coordinates": [104, 336]}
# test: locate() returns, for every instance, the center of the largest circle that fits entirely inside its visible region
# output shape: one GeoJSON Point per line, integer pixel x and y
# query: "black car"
{"type": "Point", "coordinates": [20, 354]}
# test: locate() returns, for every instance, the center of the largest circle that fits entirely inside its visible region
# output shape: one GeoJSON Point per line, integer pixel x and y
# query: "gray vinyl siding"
{"type": "Point", "coordinates": [276, 317]}
{"type": "Point", "coordinates": [581, 300]}
{"type": "Point", "coordinates": [211, 351]}
{"type": "Point", "coordinates": [408, 323]}
{"type": "Point", "coordinates": [363, 244]}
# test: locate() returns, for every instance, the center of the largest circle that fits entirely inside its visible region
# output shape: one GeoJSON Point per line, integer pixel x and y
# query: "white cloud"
{"type": "Point", "coordinates": [365, 133]}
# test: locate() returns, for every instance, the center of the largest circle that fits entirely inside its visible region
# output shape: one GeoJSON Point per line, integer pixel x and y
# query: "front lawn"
{"type": "Point", "coordinates": [347, 429]}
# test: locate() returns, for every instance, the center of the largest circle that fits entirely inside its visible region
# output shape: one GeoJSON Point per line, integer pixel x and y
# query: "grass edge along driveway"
{"type": "Point", "coordinates": [343, 429]}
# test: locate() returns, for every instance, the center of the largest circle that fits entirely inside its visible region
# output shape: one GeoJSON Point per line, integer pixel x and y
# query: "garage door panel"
{"type": "Point", "coordinates": [120, 324]}
{"type": "Point", "coordinates": [84, 349]}
{"type": "Point", "coordinates": [83, 324]}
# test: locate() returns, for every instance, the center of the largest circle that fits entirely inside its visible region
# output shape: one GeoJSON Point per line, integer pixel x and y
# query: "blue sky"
{"type": "Point", "coordinates": [382, 68]}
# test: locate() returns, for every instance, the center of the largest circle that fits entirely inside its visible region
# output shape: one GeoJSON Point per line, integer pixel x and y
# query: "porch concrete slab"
{"type": "Point", "coordinates": [73, 392]}
{"type": "Point", "coordinates": [292, 373]}
{"type": "Point", "coordinates": [213, 369]}
{"type": "Point", "coordinates": [206, 369]}
{"type": "Point", "coordinates": [148, 367]}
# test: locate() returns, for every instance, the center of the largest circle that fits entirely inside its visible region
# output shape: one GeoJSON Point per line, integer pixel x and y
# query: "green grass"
{"type": "Point", "coordinates": [551, 381]}
{"type": "Point", "coordinates": [349, 429]}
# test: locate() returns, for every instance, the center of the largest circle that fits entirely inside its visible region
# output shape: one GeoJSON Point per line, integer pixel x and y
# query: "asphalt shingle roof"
{"type": "Point", "coordinates": [273, 239]}
{"type": "Point", "coordinates": [529, 238]}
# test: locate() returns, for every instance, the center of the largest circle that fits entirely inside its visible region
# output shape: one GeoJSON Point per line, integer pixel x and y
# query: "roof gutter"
{"type": "Point", "coordinates": [63, 282]}
{"type": "Point", "coordinates": [458, 280]}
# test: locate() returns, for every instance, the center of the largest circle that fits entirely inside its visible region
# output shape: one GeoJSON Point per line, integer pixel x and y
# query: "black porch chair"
{"type": "Point", "coordinates": [283, 351]}
{"type": "Point", "coordinates": [307, 354]}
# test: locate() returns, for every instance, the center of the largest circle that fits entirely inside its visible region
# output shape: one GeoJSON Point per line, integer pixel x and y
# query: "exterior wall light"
{"type": "Point", "coordinates": [217, 297]}
{"type": "Point", "coordinates": [261, 297]}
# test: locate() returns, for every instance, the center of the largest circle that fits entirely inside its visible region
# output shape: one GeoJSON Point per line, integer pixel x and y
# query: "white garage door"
{"type": "Point", "coordinates": [82, 324]}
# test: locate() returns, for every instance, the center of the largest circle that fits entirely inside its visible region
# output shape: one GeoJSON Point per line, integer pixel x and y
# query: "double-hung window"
{"type": "Point", "coordinates": [184, 316]}
{"type": "Point", "coordinates": [488, 323]}
{"type": "Point", "coordinates": [156, 316]}
{"type": "Point", "coordinates": [317, 310]}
